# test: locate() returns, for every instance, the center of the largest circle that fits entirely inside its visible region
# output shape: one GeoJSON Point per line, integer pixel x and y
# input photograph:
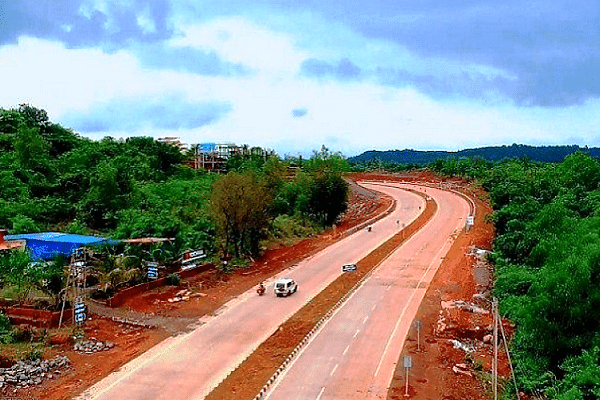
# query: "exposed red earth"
{"type": "Point", "coordinates": [433, 376]}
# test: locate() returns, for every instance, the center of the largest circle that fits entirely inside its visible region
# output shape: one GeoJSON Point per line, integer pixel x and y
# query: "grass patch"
{"type": "Point", "coordinates": [287, 230]}
{"type": "Point", "coordinates": [24, 351]}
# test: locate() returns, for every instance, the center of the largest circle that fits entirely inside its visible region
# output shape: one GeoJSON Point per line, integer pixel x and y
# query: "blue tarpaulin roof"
{"type": "Point", "coordinates": [47, 245]}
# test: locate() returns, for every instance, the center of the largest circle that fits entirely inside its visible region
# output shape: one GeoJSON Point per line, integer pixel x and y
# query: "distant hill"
{"type": "Point", "coordinates": [495, 153]}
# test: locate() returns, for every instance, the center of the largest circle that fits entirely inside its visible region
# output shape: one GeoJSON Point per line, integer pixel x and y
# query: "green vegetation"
{"type": "Point", "coordinates": [547, 259]}
{"type": "Point", "coordinates": [553, 154]}
{"type": "Point", "coordinates": [547, 218]}
{"type": "Point", "coordinates": [52, 179]}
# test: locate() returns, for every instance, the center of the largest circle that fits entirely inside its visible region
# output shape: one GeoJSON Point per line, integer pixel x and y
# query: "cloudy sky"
{"type": "Point", "coordinates": [292, 75]}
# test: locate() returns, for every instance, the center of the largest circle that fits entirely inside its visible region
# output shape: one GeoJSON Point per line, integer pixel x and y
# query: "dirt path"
{"type": "Point", "coordinates": [169, 324]}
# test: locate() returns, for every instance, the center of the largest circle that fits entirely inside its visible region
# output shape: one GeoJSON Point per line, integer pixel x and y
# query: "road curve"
{"type": "Point", "coordinates": [354, 355]}
{"type": "Point", "coordinates": [190, 365]}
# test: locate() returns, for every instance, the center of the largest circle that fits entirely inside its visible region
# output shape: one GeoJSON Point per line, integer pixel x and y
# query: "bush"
{"type": "Point", "coordinates": [5, 330]}
{"type": "Point", "coordinates": [22, 334]}
{"type": "Point", "coordinates": [33, 355]}
{"type": "Point", "coordinates": [99, 294]}
{"type": "Point", "coordinates": [174, 279]}
{"type": "Point", "coordinates": [5, 325]}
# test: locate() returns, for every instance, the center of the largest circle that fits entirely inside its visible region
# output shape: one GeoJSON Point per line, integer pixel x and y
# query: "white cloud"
{"type": "Point", "coordinates": [352, 117]}
{"type": "Point", "coordinates": [240, 41]}
{"type": "Point", "coordinates": [50, 76]}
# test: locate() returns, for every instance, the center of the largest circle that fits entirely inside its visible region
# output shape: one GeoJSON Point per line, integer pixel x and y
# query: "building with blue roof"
{"type": "Point", "coordinates": [47, 245]}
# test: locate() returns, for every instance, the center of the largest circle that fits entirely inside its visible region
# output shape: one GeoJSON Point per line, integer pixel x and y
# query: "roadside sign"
{"type": "Point", "coordinates": [80, 314]}
{"type": "Point", "coordinates": [190, 259]}
{"type": "Point", "coordinates": [152, 270]}
{"type": "Point", "coordinates": [470, 220]}
{"type": "Point", "coordinates": [407, 365]}
{"type": "Point", "coordinates": [349, 268]}
{"type": "Point", "coordinates": [196, 254]}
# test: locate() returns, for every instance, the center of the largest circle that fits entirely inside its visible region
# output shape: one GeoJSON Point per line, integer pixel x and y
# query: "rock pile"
{"type": "Point", "coordinates": [182, 295]}
{"type": "Point", "coordinates": [30, 373]}
{"type": "Point", "coordinates": [92, 345]}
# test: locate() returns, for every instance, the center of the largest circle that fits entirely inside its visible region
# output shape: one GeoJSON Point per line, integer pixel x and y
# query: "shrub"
{"type": "Point", "coordinates": [174, 279]}
{"type": "Point", "coordinates": [22, 334]}
{"type": "Point", "coordinates": [5, 325]}
{"type": "Point", "coordinates": [33, 355]}
{"type": "Point", "coordinates": [5, 329]}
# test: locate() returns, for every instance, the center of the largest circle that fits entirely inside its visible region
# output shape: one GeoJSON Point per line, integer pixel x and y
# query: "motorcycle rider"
{"type": "Point", "coordinates": [261, 289]}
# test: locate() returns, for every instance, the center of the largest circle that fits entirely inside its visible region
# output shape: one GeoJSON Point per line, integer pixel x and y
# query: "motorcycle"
{"type": "Point", "coordinates": [260, 290]}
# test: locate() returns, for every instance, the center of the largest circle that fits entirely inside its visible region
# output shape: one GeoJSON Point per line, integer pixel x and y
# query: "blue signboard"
{"type": "Point", "coordinates": [152, 270]}
{"type": "Point", "coordinates": [80, 314]}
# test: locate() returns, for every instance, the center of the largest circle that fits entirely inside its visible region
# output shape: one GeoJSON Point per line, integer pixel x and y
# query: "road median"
{"type": "Point", "coordinates": [258, 370]}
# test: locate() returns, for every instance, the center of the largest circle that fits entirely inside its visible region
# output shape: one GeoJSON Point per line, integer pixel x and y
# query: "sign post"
{"type": "Point", "coordinates": [407, 365]}
{"type": "Point", "coordinates": [80, 314]}
{"type": "Point", "coordinates": [418, 325]}
{"type": "Point", "coordinates": [152, 270]}
{"type": "Point", "coordinates": [470, 221]}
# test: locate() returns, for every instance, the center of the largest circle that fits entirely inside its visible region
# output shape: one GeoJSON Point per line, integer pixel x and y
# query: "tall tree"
{"type": "Point", "coordinates": [240, 208]}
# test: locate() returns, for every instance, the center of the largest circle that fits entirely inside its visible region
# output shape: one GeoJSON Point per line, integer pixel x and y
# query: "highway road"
{"type": "Point", "coordinates": [190, 365]}
{"type": "Point", "coordinates": [354, 355]}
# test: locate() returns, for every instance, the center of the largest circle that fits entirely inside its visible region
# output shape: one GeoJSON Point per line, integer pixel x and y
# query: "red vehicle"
{"type": "Point", "coordinates": [261, 289]}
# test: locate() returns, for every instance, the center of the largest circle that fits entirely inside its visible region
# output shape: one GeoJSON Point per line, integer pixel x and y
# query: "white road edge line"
{"type": "Point", "coordinates": [333, 370]}
{"type": "Point", "coordinates": [320, 393]}
{"type": "Point", "coordinates": [387, 345]}
{"type": "Point", "coordinates": [346, 350]}
{"type": "Point", "coordinates": [312, 337]}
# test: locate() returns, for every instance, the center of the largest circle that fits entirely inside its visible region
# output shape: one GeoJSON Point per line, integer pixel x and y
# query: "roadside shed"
{"type": "Point", "coordinates": [47, 245]}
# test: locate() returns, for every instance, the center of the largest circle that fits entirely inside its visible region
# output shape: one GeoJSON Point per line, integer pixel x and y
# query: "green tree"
{"type": "Point", "coordinates": [240, 208]}
{"type": "Point", "coordinates": [582, 378]}
{"type": "Point", "coordinates": [109, 192]}
{"type": "Point", "coordinates": [13, 270]}
{"type": "Point", "coordinates": [325, 195]}
{"type": "Point", "coordinates": [32, 150]}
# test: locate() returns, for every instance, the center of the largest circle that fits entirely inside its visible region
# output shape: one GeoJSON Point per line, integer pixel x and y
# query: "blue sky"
{"type": "Point", "coordinates": [295, 75]}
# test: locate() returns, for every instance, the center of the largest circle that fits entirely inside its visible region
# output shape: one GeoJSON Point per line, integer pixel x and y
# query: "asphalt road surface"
{"type": "Point", "coordinates": [354, 355]}
{"type": "Point", "coordinates": [190, 365]}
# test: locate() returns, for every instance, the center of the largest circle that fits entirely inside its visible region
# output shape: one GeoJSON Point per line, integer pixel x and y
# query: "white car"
{"type": "Point", "coordinates": [285, 287]}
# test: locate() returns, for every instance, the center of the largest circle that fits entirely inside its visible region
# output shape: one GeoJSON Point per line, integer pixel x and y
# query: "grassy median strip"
{"type": "Point", "coordinates": [247, 380]}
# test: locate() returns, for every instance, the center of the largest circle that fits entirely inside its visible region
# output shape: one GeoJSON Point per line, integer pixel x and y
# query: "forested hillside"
{"type": "Point", "coordinates": [547, 260]}
{"type": "Point", "coordinates": [495, 153]}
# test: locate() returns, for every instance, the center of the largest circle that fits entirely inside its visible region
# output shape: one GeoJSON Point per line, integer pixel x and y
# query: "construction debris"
{"type": "Point", "coordinates": [92, 346]}
{"type": "Point", "coordinates": [30, 373]}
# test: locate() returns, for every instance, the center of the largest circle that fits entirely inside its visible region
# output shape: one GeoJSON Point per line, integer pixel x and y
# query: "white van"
{"type": "Point", "coordinates": [285, 287]}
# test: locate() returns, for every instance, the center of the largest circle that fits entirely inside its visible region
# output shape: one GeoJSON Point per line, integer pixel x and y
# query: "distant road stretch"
{"type": "Point", "coordinates": [354, 354]}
